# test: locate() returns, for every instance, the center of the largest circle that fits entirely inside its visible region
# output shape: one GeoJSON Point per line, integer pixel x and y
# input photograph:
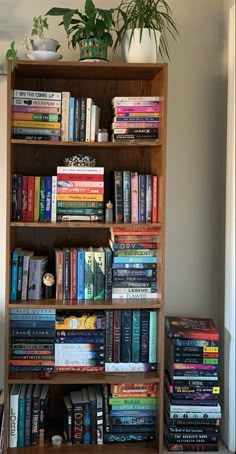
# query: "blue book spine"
{"type": "Point", "coordinates": [80, 340]}
{"type": "Point", "coordinates": [32, 317]}
{"type": "Point", "coordinates": [80, 278]}
{"type": "Point", "coordinates": [86, 433]}
{"type": "Point", "coordinates": [144, 336]}
{"type": "Point", "coordinates": [48, 199]}
{"type": "Point", "coordinates": [136, 336]}
{"type": "Point", "coordinates": [33, 311]}
{"type": "Point", "coordinates": [32, 324]}
{"type": "Point", "coordinates": [134, 119]}
{"type": "Point", "coordinates": [148, 213]}
{"type": "Point", "coordinates": [21, 423]}
{"type": "Point", "coordinates": [142, 198]}
{"type": "Point", "coordinates": [126, 196]}
{"type": "Point", "coordinates": [108, 273]}
{"type": "Point", "coordinates": [153, 337]}
{"type": "Point", "coordinates": [133, 413]}
{"type": "Point", "coordinates": [133, 407]}
{"type": "Point", "coordinates": [19, 275]}
{"type": "Point", "coordinates": [141, 259]}
{"type": "Point", "coordinates": [71, 119]}
{"type": "Point", "coordinates": [14, 274]}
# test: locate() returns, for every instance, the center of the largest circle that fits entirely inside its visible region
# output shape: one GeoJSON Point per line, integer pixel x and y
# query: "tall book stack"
{"type": "Point", "coordinates": [80, 193]}
{"type": "Point", "coordinates": [192, 409]}
{"type": "Point", "coordinates": [133, 409]}
{"type": "Point", "coordinates": [36, 115]}
{"type": "Point", "coordinates": [80, 342]}
{"type": "Point", "coordinates": [135, 257]}
{"type": "Point", "coordinates": [32, 340]}
{"type": "Point", "coordinates": [136, 118]}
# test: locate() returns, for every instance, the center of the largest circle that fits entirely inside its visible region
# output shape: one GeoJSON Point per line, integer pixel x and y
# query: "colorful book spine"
{"type": "Point", "coordinates": [37, 95]}
{"type": "Point", "coordinates": [76, 119]}
{"type": "Point", "coordinates": [142, 198]}
{"type": "Point", "coordinates": [134, 197]}
{"type": "Point", "coordinates": [108, 273]}
{"type": "Point", "coordinates": [99, 274]}
{"type": "Point", "coordinates": [71, 119]}
{"type": "Point", "coordinates": [152, 336]}
{"type": "Point", "coordinates": [65, 112]}
{"type": "Point", "coordinates": [89, 273]}
{"type": "Point", "coordinates": [48, 198]}
{"type": "Point", "coordinates": [81, 275]}
{"type": "Point", "coordinates": [126, 180]}
{"type": "Point", "coordinates": [54, 199]}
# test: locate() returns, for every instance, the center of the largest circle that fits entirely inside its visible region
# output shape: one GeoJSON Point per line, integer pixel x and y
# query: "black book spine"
{"type": "Point", "coordinates": [108, 274]}
{"type": "Point", "coordinates": [144, 336]}
{"type": "Point", "coordinates": [28, 421]}
{"type": "Point", "coordinates": [82, 131]}
{"type": "Point", "coordinates": [109, 336]}
{"type": "Point", "coordinates": [148, 198]}
{"type": "Point", "coordinates": [35, 421]}
{"type": "Point", "coordinates": [19, 197]}
{"type": "Point", "coordinates": [126, 335]}
{"type": "Point", "coordinates": [142, 198]}
{"type": "Point", "coordinates": [14, 198]}
{"type": "Point", "coordinates": [77, 424]}
{"type": "Point", "coordinates": [116, 335]}
{"type": "Point", "coordinates": [77, 117]}
{"type": "Point", "coordinates": [127, 196]}
{"type": "Point", "coordinates": [106, 418]}
{"type": "Point", "coordinates": [118, 196]}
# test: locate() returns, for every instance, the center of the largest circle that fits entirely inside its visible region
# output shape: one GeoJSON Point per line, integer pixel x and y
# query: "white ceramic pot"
{"type": "Point", "coordinates": [145, 51]}
{"type": "Point", "coordinates": [47, 44]}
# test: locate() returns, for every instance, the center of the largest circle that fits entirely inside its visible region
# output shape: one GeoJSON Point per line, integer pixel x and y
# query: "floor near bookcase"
{"type": "Point", "coordinates": [222, 450]}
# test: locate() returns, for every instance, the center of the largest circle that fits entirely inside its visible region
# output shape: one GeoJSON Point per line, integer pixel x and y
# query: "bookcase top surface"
{"type": "Point", "coordinates": [79, 70]}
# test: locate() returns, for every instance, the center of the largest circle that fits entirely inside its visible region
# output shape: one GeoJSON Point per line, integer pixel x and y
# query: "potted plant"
{"type": "Point", "coordinates": [90, 30]}
{"type": "Point", "coordinates": [142, 28]}
{"type": "Point", "coordinates": [37, 39]}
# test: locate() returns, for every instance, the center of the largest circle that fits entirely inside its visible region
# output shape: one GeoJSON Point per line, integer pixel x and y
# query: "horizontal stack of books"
{"type": "Point", "coordinates": [28, 409]}
{"type": "Point", "coordinates": [83, 273]}
{"type": "Point", "coordinates": [192, 409]}
{"type": "Point", "coordinates": [135, 197]}
{"type": "Point", "coordinates": [36, 115]}
{"type": "Point", "coordinates": [131, 340]}
{"type": "Point", "coordinates": [80, 342]}
{"type": "Point", "coordinates": [135, 258]}
{"type": "Point", "coordinates": [33, 198]}
{"type": "Point", "coordinates": [136, 118]}
{"type": "Point", "coordinates": [80, 193]}
{"type": "Point", "coordinates": [32, 340]}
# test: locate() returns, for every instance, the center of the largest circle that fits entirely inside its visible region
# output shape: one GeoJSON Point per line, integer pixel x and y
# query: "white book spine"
{"type": "Point", "coordinates": [126, 367]}
{"type": "Point", "coordinates": [135, 295]}
{"type": "Point", "coordinates": [36, 102]}
{"type": "Point", "coordinates": [37, 94]}
{"type": "Point", "coordinates": [95, 119]}
{"type": "Point", "coordinates": [54, 199]}
{"type": "Point", "coordinates": [13, 420]}
{"type": "Point", "coordinates": [81, 170]}
{"type": "Point", "coordinates": [65, 112]}
{"type": "Point", "coordinates": [132, 102]}
{"type": "Point", "coordinates": [89, 104]}
{"type": "Point", "coordinates": [135, 98]}
{"type": "Point", "coordinates": [25, 276]}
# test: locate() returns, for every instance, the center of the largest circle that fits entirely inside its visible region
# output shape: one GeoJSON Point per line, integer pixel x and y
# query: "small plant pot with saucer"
{"type": "Point", "coordinates": [45, 44]}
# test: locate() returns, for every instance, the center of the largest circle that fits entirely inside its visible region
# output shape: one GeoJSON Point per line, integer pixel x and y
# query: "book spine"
{"type": "Point", "coordinates": [80, 197]}
{"type": "Point", "coordinates": [89, 104]}
{"type": "Point", "coordinates": [21, 423]}
{"type": "Point", "coordinates": [142, 198]}
{"type": "Point", "coordinates": [81, 276]}
{"type": "Point", "coordinates": [71, 119]}
{"type": "Point", "coordinates": [154, 198]}
{"type": "Point", "coordinates": [37, 95]}
{"type": "Point", "coordinates": [144, 336]}
{"type": "Point", "coordinates": [160, 199]}
{"type": "Point", "coordinates": [116, 335]}
{"type": "Point", "coordinates": [14, 197]}
{"type": "Point", "coordinates": [36, 198]}
{"type": "Point", "coordinates": [59, 274]}
{"type": "Point", "coordinates": [124, 438]}
{"type": "Point", "coordinates": [126, 178]}
{"type": "Point", "coordinates": [19, 197]}
{"type": "Point", "coordinates": [82, 131]}
{"type": "Point", "coordinates": [130, 367]}
{"type": "Point", "coordinates": [48, 198]}
{"type": "Point", "coordinates": [77, 424]}
{"type": "Point", "coordinates": [29, 332]}
{"type": "Point", "coordinates": [86, 424]}
{"type": "Point", "coordinates": [65, 111]}
{"type": "Point", "coordinates": [79, 190]}
{"type": "Point", "coordinates": [35, 103]}
{"type": "Point", "coordinates": [42, 418]}
{"type": "Point", "coordinates": [66, 274]}
{"type": "Point", "coordinates": [135, 336]}
{"type": "Point", "coordinates": [73, 273]}
{"type": "Point", "coordinates": [99, 415]}
{"type": "Point", "coordinates": [89, 274]}
{"type": "Point", "coordinates": [36, 125]}
{"type": "Point", "coordinates": [108, 274]}
{"type": "Point", "coordinates": [192, 447]}
{"type": "Point", "coordinates": [134, 197]}
{"type": "Point", "coordinates": [148, 191]}
{"type": "Point", "coordinates": [37, 109]}
{"type": "Point", "coordinates": [74, 170]}
{"type": "Point", "coordinates": [80, 211]}
{"type": "Point", "coordinates": [77, 117]}
{"type": "Point", "coordinates": [28, 416]}
{"type": "Point", "coordinates": [54, 199]}
{"type": "Point", "coordinates": [35, 421]}
{"type": "Point", "coordinates": [99, 275]}
{"type": "Point", "coordinates": [136, 109]}
{"type": "Point", "coordinates": [36, 116]}
{"type": "Point", "coordinates": [14, 274]}
{"type": "Point", "coordinates": [118, 195]}
{"type": "Point", "coordinates": [106, 419]}
{"type": "Point", "coordinates": [19, 275]}
{"type": "Point", "coordinates": [51, 137]}
{"type": "Point", "coordinates": [109, 336]}
{"type": "Point", "coordinates": [122, 421]}
{"type": "Point", "coordinates": [36, 131]}
{"type": "Point", "coordinates": [127, 125]}
{"type": "Point", "coordinates": [24, 197]}
{"type": "Point", "coordinates": [42, 203]}
{"type": "Point", "coordinates": [126, 335]}
{"type": "Point", "coordinates": [152, 337]}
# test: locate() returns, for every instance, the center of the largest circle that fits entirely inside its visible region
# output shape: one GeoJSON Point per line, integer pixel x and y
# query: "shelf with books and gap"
{"type": "Point", "coordinates": [102, 82]}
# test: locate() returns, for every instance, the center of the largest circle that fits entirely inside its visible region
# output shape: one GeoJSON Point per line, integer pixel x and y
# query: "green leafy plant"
{"type": "Point", "coordinates": [151, 14]}
{"type": "Point", "coordinates": [11, 54]}
{"type": "Point", "coordinates": [39, 23]}
{"type": "Point", "coordinates": [93, 22]}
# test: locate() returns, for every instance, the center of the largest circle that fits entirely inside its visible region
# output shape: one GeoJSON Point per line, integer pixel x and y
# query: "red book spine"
{"type": "Point", "coordinates": [154, 198]}
{"type": "Point", "coordinates": [79, 177]}
{"type": "Point", "coordinates": [59, 274]}
{"type": "Point", "coordinates": [25, 198]}
{"type": "Point", "coordinates": [139, 230]}
{"type": "Point", "coordinates": [30, 207]}
{"type": "Point", "coordinates": [160, 199]}
{"type": "Point", "coordinates": [134, 197]}
{"type": "Point", "coordinates": [73, 274]}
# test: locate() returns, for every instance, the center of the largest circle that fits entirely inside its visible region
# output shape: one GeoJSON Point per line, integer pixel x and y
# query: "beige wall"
{"type": "Point", "coordinates": [196, 149]}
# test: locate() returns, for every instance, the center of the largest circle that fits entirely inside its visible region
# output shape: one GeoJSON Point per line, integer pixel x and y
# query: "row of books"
{"type": "Point", "coordinates": [136, 118]}
{"type": "Point", "coordinates": [37, 115]}
{"type": "Point", "coordinates": [77, 185]}
{"type": "Point", "coordinates": [136, 196]}
{"type": "Point", "coordinates": [192, 409]}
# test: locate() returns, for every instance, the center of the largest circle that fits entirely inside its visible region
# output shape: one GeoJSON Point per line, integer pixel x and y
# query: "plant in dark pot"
{"type": "Point", "coordinates": [143, 28]}
{"type": "Point", "coordinates": [90, 30]}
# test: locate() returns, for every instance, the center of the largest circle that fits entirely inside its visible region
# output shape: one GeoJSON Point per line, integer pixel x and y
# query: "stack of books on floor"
{"type": "Point", "coordinates": [135, 251]}
{"type": "Point", "coordinates": [192, 409]}
{"type": "Point", "coordinates": [136, 118]}
{"type": "Point", "coordinates": [28, 409]}
{"type": "Point", "coordinates": [36, 115]}
{"type": "Point", "coordinates": [131, 340]}
{"type": "Point", "coordinates": [80, 193]}
{"type": "Point", "coordinates": [80, 342]}
{"type": "Point", "coordinates": [32, 340]}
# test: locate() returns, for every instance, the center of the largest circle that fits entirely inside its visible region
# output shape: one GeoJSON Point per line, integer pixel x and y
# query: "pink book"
{"type": "Point", "coordinates": [134, 197]}
{"type": "Point", "coordinates": [154, 198]}
{"type": "Point", "coordinates": [24, 197]}
{"type": "Point", "coordinates": [135, 109]}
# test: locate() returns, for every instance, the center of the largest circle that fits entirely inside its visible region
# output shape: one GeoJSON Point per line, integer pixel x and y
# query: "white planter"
{"type": "Point", "coordinates": [141, 52]}
{"type": "Point", "coordinates": [45, 44]}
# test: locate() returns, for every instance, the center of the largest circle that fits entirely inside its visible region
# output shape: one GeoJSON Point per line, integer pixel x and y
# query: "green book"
{"type": "Point", "coordinates": [136, 336]}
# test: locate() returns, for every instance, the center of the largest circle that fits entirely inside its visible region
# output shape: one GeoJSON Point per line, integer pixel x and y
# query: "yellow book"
{"type": "Point", "coordinates": [84, 321]}
{"type": "Point", "coordinates": [36, 198]}
{"type": "Point", "coordinates": [80, 197]}
{"type": "Point", "coordinates": [36, 124]}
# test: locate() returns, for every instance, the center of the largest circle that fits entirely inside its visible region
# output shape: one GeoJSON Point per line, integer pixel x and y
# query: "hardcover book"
{"type": "Point", "coordinates": [191, 328]}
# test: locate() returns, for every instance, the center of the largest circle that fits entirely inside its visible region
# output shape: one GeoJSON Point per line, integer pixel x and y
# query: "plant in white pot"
{"type": "Point", "coordinates": [142, 30]}
{"type": "Point", "coordinates": [38, 40]}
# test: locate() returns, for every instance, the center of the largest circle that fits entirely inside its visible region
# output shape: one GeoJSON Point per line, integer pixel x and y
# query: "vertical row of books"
{"type": "Point", "coordinates": [80, 193]}
{"type": "Point", "coordinates": [32, 340]}
{"type": "Point", "coordinates": [28, 406]}
{"type": "Point", "coordinates": [192, 409]}
{"type": "Point", "coordinates": [36, 115]}
{"type": "Point", "coordinates": [136, 118]}
{"type": "Point", "coordinates": [135, 259]}
{"type": "Point", "coordinates": [136, 197]}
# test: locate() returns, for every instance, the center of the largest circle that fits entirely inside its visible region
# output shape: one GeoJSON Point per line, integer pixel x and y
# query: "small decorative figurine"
{"type": "Point", "coordinates": [80, 160]}
{"type": "Point", "coordinates": [48, 282]}
{"type": "Point", "coordinates": [109, 212]}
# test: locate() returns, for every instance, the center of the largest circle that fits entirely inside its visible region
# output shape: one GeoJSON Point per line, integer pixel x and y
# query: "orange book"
{"type": "Point", "coordinates": [80, 197]}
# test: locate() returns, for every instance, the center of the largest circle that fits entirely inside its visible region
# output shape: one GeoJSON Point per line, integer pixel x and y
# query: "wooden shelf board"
{"type": "Point", "coordinates": [87, 304]}
{"type": "Point", "coordinates": [86, 377]}
{"type": "Point", "coordinates": [89, 71]}
{"type": "Point", "coordinates": [111, 145]}
{"type": "Point", "coordinates": [116, 448]}
{"type": "Point", "coordinates": [77, 224]}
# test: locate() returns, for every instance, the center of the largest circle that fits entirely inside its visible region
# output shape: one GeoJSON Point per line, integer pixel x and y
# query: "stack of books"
{"type": "Point", "coordinates": [136, 118]}
{"type": "Point", "coordinates": [131, 340]}
{"type": "Point", "coordinates": [32, 340]}
{"type": "Point", "coordinates": [135, 257]}
{"type": "Point", "coordinates": [36, 115]}
{"type": "Point", "coordinates": [28, 409]}
{"type": "Point", "coordinates": [80, 342]}
{"type": "Point", "coordinates": [192, 409]}
{"type": "Point", "coordinates": [133, 410]}
{"type": "Point", "coordinates": [80, 193]}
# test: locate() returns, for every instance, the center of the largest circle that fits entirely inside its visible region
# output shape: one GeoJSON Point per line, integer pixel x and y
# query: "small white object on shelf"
{"type": "Point", "coordinates": [43, 55]}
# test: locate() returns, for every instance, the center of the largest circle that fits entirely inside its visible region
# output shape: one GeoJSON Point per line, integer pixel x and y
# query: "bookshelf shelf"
{"type": "Point", "coordinates": [101, 82]}
{"type": "Point", "coordinates": [87, 377]}
{"type": "Point", "coordinates": [88, 305]}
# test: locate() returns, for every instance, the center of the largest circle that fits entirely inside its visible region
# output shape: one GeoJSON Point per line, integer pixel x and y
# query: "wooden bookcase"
{"type": "Point", "coordinates": [100, 81]}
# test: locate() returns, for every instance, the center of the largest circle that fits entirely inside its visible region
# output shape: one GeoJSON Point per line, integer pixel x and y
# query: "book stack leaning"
{"type": "Point", "coordinates": [192, 410]}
